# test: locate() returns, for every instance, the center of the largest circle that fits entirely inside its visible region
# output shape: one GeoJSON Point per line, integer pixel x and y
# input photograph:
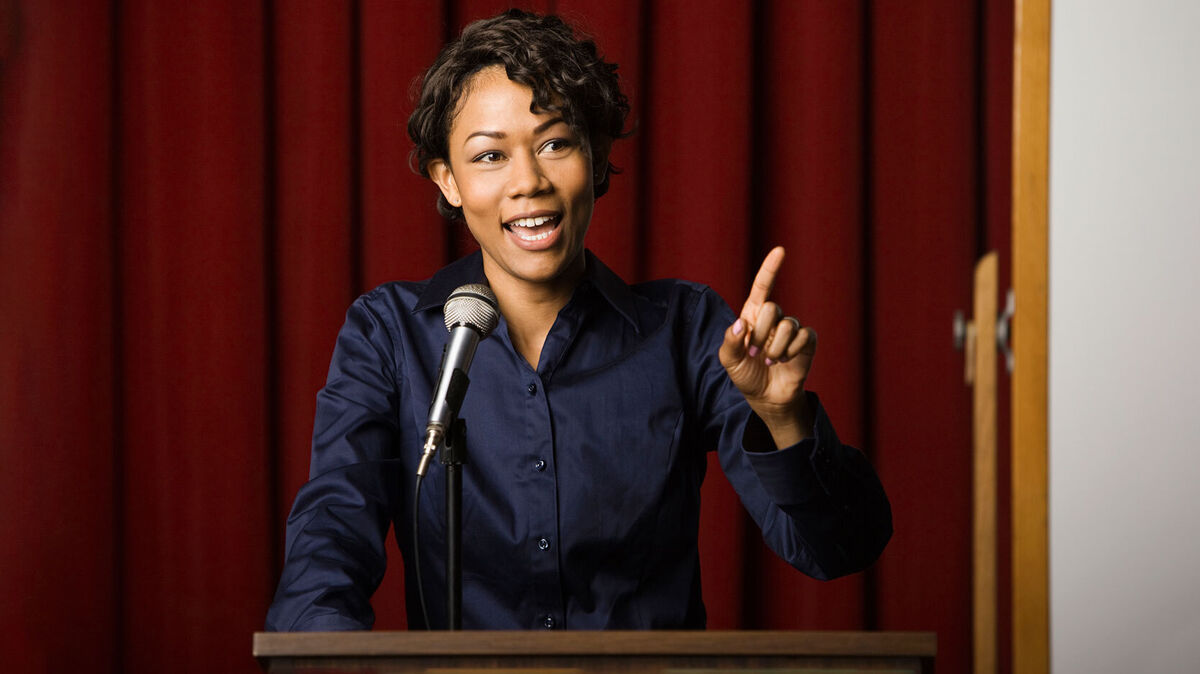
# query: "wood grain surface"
{"type": "Point", "coordinates": [1030, 186]}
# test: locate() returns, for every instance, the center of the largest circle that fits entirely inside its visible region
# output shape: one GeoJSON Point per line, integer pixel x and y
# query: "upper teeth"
{"type": "Point", "coordinates": [532, 222]}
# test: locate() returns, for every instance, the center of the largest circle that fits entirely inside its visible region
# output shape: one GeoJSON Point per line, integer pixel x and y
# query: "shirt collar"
{"type": "Point", "coordinates": [464, 270]}
{"type": "Point", "coordinates": [469, 269]}
{"type": "Point", "coordinates": [611, 288]}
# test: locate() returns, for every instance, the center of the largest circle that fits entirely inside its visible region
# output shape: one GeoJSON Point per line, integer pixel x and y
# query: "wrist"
{"type": "Point", "coordinates": [789, 426]}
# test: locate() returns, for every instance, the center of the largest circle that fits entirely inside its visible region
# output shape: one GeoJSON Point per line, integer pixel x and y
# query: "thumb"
{"type": "Point", "coordinates": [733, 349]}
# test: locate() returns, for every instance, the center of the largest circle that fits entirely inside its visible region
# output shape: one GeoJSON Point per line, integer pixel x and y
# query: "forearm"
{"type": "Point", "coordinates": [826, 511]}
{"type": "Point", "coordinates": [335, 555]}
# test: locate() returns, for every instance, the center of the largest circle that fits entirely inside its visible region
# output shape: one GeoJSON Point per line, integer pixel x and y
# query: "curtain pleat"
{"type": "Point", "coordinates": [309, 198]}
{"type": "Point", "coordinates": [58, 414]}
{"type": "Point", "coordinates": [403, 236]}
{"type": "Point", "coordinates": [191, 194]}
{"type": "Point", "coordinates": [197, 515]}
{"type": "Point", "coordinates": [922, 245]}
{"type": "Point", "coordinates": [697, 197]}
{"type": "Point", "coordinates": [809, 198]}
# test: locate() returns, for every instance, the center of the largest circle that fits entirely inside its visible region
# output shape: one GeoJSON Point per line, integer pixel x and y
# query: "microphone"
{"type": "Point", "coordinates": [471, 314]}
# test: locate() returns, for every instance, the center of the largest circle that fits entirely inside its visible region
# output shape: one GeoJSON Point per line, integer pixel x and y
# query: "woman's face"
{"type": "Point", "coordinates": [523, 180]}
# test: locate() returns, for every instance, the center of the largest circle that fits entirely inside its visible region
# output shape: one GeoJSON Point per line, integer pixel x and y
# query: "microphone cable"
{"type": "Point", "coordinates": [416, 536]}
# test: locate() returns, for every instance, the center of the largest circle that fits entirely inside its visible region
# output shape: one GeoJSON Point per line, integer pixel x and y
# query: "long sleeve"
{"type": "Point", "coordinates": [335, 556]}
{"type": "Point", "coordinates": [819, 503]}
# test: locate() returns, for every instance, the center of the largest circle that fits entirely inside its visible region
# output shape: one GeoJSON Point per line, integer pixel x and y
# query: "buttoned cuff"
{"type": "Point", "coordinates": [802, 472]}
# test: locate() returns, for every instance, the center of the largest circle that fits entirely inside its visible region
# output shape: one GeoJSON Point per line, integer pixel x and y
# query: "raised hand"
{"type": "Point", "coordinates": [768, 356]}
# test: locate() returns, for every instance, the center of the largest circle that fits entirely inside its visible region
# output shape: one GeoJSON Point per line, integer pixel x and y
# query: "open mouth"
{"type": "Point", "coordinates": [533, 228]}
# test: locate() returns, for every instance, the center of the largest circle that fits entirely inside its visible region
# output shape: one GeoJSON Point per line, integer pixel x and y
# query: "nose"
{"type": "Point", "coordinates": [527, 177]}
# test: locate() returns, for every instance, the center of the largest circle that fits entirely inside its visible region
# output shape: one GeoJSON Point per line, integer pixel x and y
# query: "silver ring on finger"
{"type": "Point", "coordinates": [795, 321]}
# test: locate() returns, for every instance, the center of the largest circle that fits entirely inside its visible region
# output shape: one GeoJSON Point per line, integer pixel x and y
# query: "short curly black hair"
{"type": "Point", "coordinates": [565, 72]}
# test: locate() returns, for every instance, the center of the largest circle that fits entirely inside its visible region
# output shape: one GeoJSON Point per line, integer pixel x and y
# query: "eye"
{"type": "Point", "coordinates": [489, 157]}
{"type": "Point", "coordinates": [556, 145]}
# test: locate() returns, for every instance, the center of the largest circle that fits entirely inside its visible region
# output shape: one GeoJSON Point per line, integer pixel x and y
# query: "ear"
{"type": "Point", "coordinates": [440, 173]}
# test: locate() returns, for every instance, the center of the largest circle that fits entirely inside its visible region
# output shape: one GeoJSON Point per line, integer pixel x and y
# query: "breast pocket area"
{"type": "Point", "coordinates": [619, 443]}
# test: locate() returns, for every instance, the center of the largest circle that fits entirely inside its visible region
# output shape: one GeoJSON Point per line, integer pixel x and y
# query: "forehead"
{"type": "Point", "coordinates": [492, 102]}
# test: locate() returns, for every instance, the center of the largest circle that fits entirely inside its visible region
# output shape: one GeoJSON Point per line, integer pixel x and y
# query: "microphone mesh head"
{"type": "Point", "coordinates": [473, 305]}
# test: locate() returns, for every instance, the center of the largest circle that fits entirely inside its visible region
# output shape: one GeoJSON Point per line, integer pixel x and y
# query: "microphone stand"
{"type": "Point", "coordinates": [453, 455]}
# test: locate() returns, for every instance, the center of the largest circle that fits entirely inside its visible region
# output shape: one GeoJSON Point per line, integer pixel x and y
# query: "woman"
{"type": "Point", "coordinates": [593, 403]}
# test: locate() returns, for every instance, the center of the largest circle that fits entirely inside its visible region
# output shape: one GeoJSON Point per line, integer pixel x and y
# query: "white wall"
{"type": "Point", "coordinates": [1125, 336]}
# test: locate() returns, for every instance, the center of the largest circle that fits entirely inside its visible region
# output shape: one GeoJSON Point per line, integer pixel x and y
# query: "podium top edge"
{"type": "Point", "coordinates": [692, 642]}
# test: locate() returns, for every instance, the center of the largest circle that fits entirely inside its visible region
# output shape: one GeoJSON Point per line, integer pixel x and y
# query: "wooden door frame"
{"type": "Point", "coordinates": [1030, 272]}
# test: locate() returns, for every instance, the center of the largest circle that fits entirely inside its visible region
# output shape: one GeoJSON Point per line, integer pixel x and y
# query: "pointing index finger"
{"type": "Point", "coordinates": [764, 281]}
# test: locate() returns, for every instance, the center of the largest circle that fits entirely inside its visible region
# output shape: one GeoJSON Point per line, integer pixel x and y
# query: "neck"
{"type": "Point", "coordinates": [530, 308]}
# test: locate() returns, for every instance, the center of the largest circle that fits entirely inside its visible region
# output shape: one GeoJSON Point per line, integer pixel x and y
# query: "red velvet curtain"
{"type": "Point", "coordinates": [191, 193]}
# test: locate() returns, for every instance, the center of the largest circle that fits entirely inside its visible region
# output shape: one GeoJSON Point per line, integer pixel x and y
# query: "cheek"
{"type": "Point", "coordinates": [576, 180]}
{"type": "Point", "coordinates": [479, 194]}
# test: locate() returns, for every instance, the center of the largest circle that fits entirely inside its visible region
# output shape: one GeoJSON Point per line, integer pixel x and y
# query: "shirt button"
{"type": "Point", "coordinates": [543, 544]}
{"type": "Point", "coordinates": [548, 622]}
{"type": "Point", "coordinates": [539, 465]}
{"type": "Point", "coordinates": [532, 388]}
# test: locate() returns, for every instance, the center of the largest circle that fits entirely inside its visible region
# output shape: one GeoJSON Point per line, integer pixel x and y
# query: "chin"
{"type": "Point", "coordinates": [542, 273]}
{"type": "Point", "coordinates": [548, 269]}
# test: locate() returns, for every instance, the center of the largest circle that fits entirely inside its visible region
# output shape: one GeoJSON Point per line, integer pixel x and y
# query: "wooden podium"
{"type": "Point", "coordinates": [570, 652]}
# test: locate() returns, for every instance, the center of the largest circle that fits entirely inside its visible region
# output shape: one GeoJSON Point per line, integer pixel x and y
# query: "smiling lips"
{"type": "Point", "coordinates": [534, 230]}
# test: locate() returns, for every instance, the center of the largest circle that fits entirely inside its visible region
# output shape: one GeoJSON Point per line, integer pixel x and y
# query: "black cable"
{"type": "Point", "coordinates": [416, 547]}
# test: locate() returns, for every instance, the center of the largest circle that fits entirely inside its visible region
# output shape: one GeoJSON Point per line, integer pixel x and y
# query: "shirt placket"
{"type": "Point", "coordinates": [543, 543]}
{"type": "Point", "coordinates": [545, 532]}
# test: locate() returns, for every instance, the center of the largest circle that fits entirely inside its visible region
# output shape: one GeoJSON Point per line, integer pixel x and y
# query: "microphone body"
{"type": "Point", "coordinates": [471, 314]}
{"type": "Point", "coordinates": [452, 379]}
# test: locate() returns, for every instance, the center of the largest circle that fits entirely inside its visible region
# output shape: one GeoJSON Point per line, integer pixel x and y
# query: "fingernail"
{"type": "Point", "coordinates": [768, 361]}
{"type": "Point", "coordinates": [738, 327]}
{"type": "Point", "coordinates": [753, 351]}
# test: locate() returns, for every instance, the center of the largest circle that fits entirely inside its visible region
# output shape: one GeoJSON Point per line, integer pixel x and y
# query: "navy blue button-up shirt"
{"type": "Point", "coordinates": [581, 498]}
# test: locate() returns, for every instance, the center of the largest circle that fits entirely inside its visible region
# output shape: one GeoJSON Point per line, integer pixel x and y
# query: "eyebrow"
{"type": "Point", "coordinates": [500, 134]}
